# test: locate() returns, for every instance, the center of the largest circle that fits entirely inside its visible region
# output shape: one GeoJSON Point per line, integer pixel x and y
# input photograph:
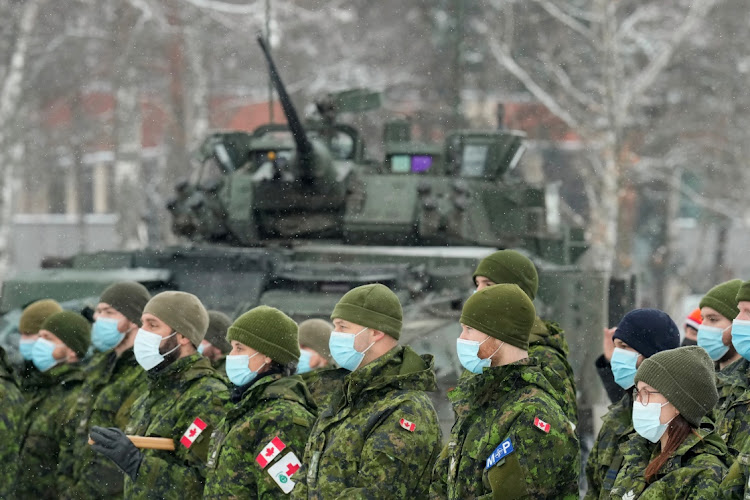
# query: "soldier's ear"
{"type": "Point", "coordinates": [182, 340]}
{"type": "Point", "coordinates": [377, 335]}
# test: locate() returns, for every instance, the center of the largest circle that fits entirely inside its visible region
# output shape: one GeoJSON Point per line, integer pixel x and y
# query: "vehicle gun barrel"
{"type": "Point", "coordinates": [304, 146]}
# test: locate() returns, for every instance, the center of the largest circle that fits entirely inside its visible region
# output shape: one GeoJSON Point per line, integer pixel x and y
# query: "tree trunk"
{"type": "Point", "coordinates": [10, 99]}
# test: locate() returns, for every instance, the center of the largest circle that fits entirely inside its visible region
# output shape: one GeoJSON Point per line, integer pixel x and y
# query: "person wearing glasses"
{"type": "Point", "coordinates": [675, 452]}
{"type": "Point", "coordinates": [641, 334]}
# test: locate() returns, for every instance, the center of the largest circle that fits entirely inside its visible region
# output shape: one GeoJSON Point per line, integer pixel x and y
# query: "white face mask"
{"type": "Point", "coordinates": [146, 348]}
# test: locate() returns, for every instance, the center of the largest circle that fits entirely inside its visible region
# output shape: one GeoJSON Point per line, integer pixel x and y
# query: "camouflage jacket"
{"type": "Point", "coordinates": [220, 366]}
{"type": "Point", "coordinates": [174, 397]}
{"type": "Point", "coordinates": [324, 384]}
{"type": "Point", "coordinates": [617, 427]}
{"type": "Point", "coordinates": [48, 424]}
{"type": "Point", "coordinates": [736, 484]}
{"type": "Point", "coordinates": [547, 344]}
{"type": "Point", "coordinates": [694, 471]}
{"type": "Point", "coordinates": [110, 379]}
{"type": "Point", "coordinates": [274, 407]}
{"type": "Point", "coordinates": [510, 439]}
{"type": "Point", "coordinates": [379, 438]}
{"type": "Point", "coordinates": [11, 426]}
{"type": "Point", "coordinates": [732, 412]}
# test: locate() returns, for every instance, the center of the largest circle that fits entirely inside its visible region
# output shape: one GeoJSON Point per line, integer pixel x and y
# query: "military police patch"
{"type": "Point", "coordinates": [503, 449]}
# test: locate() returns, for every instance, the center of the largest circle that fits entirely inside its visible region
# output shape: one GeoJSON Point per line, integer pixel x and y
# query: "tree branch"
{"type": "Point", "coordinates": [572, 23]}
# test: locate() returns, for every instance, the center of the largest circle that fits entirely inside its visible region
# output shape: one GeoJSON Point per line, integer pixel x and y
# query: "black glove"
{"type": "Point", "coordinates": [115, 445]}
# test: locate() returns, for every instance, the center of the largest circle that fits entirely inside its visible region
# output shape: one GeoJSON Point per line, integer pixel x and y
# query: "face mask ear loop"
{"type": "Point", "coordinates": [165, 338]}
{"type": "Point", "coordinates": [496, 350]}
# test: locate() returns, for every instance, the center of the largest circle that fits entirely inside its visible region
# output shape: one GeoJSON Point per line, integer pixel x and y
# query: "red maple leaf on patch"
{"type": "Point", "coordinates": [192, 432]}
{"type": "Point", "coordinates": [269, 451]}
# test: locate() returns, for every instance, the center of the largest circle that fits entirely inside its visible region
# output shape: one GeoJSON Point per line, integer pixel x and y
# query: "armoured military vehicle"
{"type": "Point", "coordinates": [294, 215]}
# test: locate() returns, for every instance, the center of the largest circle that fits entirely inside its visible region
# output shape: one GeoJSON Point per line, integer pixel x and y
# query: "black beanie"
{"type": "Point", "coordinates": [648, 331]}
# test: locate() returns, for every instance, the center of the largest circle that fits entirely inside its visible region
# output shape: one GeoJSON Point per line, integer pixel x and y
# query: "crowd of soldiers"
{"type": "Point", "coordinates": [180, 402]}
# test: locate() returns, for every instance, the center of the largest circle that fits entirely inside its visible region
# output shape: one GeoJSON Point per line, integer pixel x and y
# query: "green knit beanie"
{"type": "Point", "coordinates": [268, 331]}
{"type": "Point", "coordinates": [72, 329]}
{"type": "Point", "coordinates": [685, 376]}
{"type": "Point", "coordinates": [501, 311]}
{"type": "Point", "coordinates": [374, 306]}
{"type": "Point", "coordinates": [509, 266]}
{"type": "Point", "coordinates": [315, 333]}
{"type": "Point", "coordinates": [127, 297]}
{"type": "Point", "coordinates": [183, 312]}
{"type": "Point", "coordinates": [218, 324]}
{"type": "Point", "coordinates": [34, 315]}
{"type": "Point", "coordinates": [744, 293]}
{"type": "Point", "coordinates": [723, 298]}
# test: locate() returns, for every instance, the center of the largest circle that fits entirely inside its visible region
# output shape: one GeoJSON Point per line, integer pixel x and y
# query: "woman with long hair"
{"type": "Point", "coordinates": [675, 453]}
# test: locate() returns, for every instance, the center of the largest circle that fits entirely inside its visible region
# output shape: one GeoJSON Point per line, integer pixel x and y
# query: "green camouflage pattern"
{"type": "Point", "coordinates": [617, 427]}
{"type": "Point", "coordinates": [48, 422]}
{"type": "Point", "coordinates": [274, 406]}
{"type": "Point", "coordinates": [324, 384]}
{"type": "Point", "coordinates": [11, 426]}
{"type": "Point", "coordinates": [220, 365]}
{"type": "Point", "coordinates": [174, 397]}
{"type": "Point", "coordinates": [500, 403]}
{"type": "Point", "coordinates": [548, 345]}
{"type": "Point", "coordinates": [358, 447]}
{"type": "Point", "coordinates": [694, 471]}
{"type": "Point", "coordinates": [732, 412]}
{"type": "Point", "coordinates": [110, 380]}
{"type": "Point", "coordinates": [736, 484]}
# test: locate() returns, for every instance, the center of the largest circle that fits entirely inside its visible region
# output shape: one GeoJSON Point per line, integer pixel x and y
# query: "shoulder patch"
{"type": "Point", "coordinates": [282, 471]}
{"type": "Point", "coordinates": [270, 451]}
{"type": "Point", "coordinates": [542, 425]}
{"type": "Point", "coordinates": [409, 426]}
{"type": "Point", "coordinates": [503, 449]}
{"type": "Point", "coordinates": [192, 432]}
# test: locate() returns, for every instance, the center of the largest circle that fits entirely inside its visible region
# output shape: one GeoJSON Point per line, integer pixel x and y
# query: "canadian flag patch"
{"type": "Point", "coordinates": [409, 426]}
{"type": "Point", "coordinates": [192, 432]}
{"type": "Point", "coordinates": [541, 424]}
{"type": "Point", "coordinates": [270, 451]}
{"type": "Point", "coordinates": [282, 471]}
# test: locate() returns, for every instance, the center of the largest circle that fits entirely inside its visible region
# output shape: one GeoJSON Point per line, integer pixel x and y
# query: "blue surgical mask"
{"type": "Point", "coordinates": [709, 338]}
{"type": "Point", "coordinates": [105, 335]}
{"type": "Point", "coordinates": [41, 354]}
{"type": "Point", "coordinates": [238, 371]}
{"type": "Point", "coordinates": [646, 420]}
{"type": "Point", "coordinates": [624, 367]}
{"type": "Point", "coordinates": [468, 355]}
{"type": "Point", "coordinates": [26, 346]}
{"type": "Point", "coordinates": [303, 365]}
{"type": "Point", "coordinates": [146, 348]}
{"type": "Point", "coordinates": [741, 337]}
{"type": "Point", "coordinates": [201, 346]}
{"type": "Point", "coordinates": [342, 349]}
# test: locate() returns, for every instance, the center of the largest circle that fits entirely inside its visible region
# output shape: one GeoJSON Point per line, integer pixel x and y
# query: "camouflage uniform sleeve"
{"type": "Point", "coordinates": [184, 467]}
{"type": "Point", "coordinates": [237, 474]}
{"type": "Point", "coordinates": [735, 483]}
{"type": "Point", "coordinates": [11, 428]}
{"type": "Point", "coordinates": [543, 464]}
{"type": "Point", "coordinates": [396, 462]}
{"type": "Point", "coordinates": [439, 481]}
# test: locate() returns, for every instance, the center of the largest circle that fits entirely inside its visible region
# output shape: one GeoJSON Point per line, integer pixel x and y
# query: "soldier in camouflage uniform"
{"type": "Point", "coordinates": [511, 439]}
{"type": "Point", "coordinates": [63, 340]}
{"type": "Point", "coordinates": [380, 436]}
{"type": "Point", "coordinates": [641, 334]}
{"type": "Point", "coordinates": [732, 414]}
{"type": "Point", "coordinates": [268, 427]}
{"type": "Point", "coordinates": [11, 426]}
{"type": "Point", "coordinates": [112, 375]}
{"type": "Point", "coordinates": [547, 341]}
{"type": "Point", "coordinates": [215, 346]}
{"type": "Point", "coordinates": [316, 366]}
{"type": "Point", "coordinates": [29, 325]}
{"type": "Point", "coordinates": [184, 400]}
{"type": "Point", "coordinates": [673, 455]}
